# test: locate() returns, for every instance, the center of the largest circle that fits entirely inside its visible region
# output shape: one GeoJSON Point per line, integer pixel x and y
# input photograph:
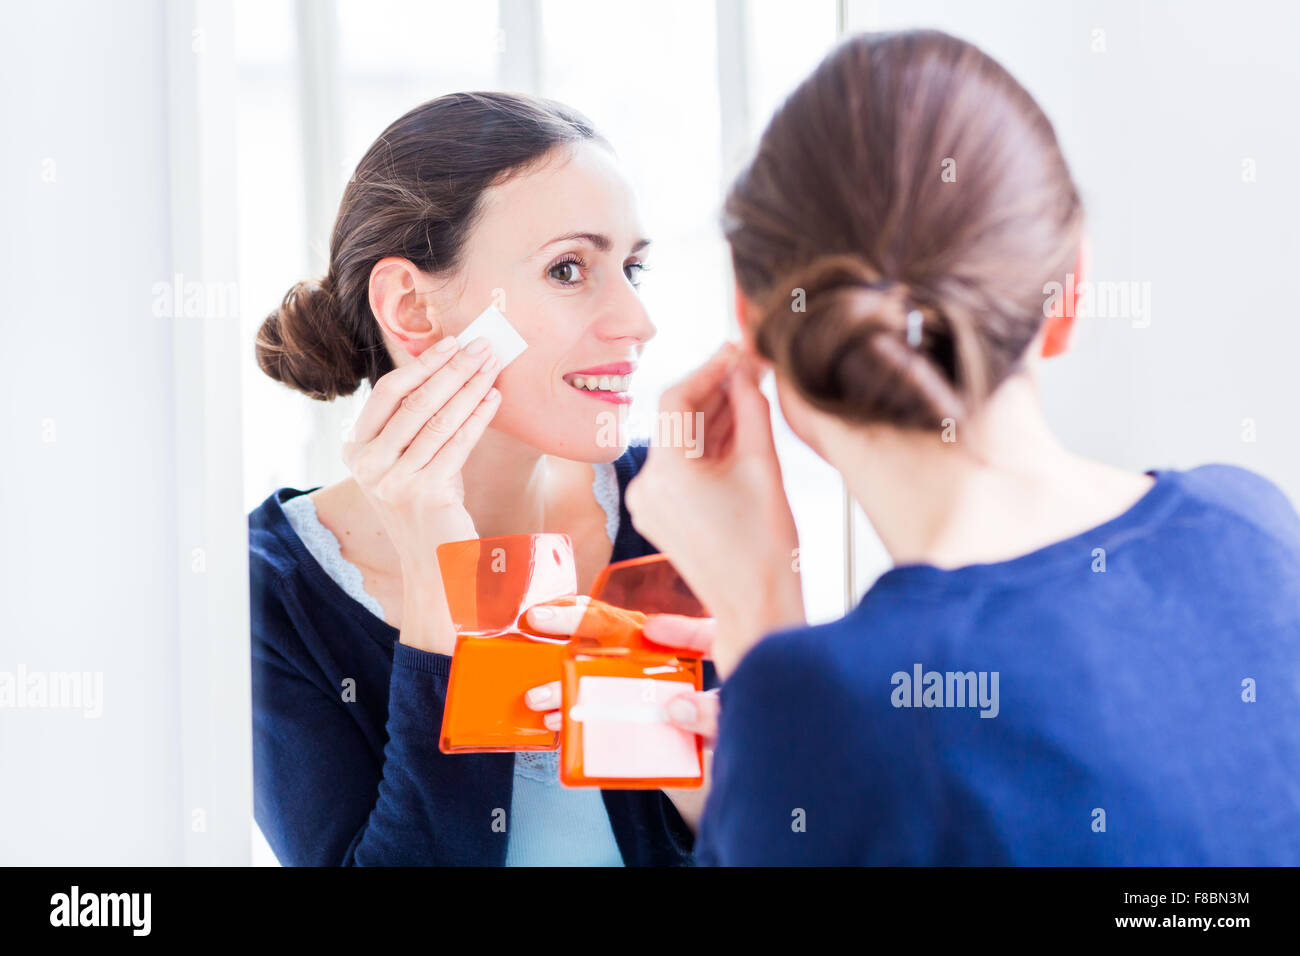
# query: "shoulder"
{"type": "Point", "coordinates": [271, 551]}
{"type": "Point", "coordinates": [1238, 496]}
{"type": "Point", "coordinates": [1236, 489]}
{"type": "Point", "coordinates": [274, 553]}
{"type": "Point", "coordinates": [812, 682]}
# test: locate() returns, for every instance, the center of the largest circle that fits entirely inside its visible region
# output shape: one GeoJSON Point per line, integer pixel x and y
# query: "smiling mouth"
{"type": "Point", "coordinates": [607, 383]}
{"type": "Point", "coordinates": [599, 383]}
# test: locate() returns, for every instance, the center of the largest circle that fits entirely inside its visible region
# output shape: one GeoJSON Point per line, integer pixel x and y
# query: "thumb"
{"type": "Point", "coordinates": [753, 413]}
{"type": "Point", "coordinates": [677, 630]}
{"type": "Point", "coordinates": [697, 712]}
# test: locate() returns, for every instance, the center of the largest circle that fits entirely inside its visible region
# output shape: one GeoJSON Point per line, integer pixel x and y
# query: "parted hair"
{"type": "Point", "coordinates": [897, 225]}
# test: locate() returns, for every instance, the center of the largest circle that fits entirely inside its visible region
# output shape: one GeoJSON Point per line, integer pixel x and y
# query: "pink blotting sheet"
{"type": "Point", "coordinates": [625, 732]}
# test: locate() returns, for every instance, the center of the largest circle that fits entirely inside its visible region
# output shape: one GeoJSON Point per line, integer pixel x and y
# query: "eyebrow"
{"type": "Point", "coordinates": [601, 242]}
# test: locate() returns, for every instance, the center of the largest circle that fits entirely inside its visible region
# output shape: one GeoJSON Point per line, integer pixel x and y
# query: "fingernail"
{"type": "Point", "coordinates": [553, 721]}
{"type": "Point", "coordinates": [492, 395]}
{"type": "Point", "coordinates": [446, 344]}
{"type": "Point", "coordinates": [682, 711]}
{"type": "Point", "coordinates": [538, 695]}
{"type": "Point", "coordinates": [540, 613]}
{"type": "Point", "coordinates": [491, 365]}
{"type": "Point", "coordinates": [477, 347]}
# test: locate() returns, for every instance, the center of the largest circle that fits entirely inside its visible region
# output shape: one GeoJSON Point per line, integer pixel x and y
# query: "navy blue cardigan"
{"type": "Point", "coordinates": [363, 782]}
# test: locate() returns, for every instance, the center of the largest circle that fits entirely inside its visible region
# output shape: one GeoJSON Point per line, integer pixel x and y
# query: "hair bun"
{"type": "Point", "coordinates": [299, 344]}
{"type": "Point", "coordinates": [850, 341]}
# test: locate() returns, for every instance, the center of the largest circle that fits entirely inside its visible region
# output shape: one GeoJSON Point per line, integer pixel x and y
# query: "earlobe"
{"type": "Point", "coordinates": [745, 320]}
{"type": "Point", "coordinates": [1056, 337]}
{"type": "Point", "coordinates": [400, 308]}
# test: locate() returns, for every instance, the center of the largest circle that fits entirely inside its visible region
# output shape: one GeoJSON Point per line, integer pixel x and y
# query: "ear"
{"type": "Point", "coordinates": [1056, 334]}
{"type": "Point", "coordinates": [402, 306]}
{"type": "Point", "coordinates": [745, 319]}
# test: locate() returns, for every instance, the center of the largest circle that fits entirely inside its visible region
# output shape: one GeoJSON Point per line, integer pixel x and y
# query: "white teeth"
{"type": "Point", "coordinates": [601, 383]}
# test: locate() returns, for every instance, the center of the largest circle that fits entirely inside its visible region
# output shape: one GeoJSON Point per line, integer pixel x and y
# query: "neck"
{"type": "Point", "coordinates": [1002, 485]}
{"type": "Point", "coordinates": [505, 486]}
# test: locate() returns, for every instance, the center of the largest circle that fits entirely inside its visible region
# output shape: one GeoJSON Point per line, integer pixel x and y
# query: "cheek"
{"type": "Point", "coordinates": [537, 407]}
{"type": "Point", "coordinates": [545, 413]}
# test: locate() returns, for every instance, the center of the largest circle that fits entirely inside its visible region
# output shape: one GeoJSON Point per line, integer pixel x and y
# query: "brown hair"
{"type": "Point", "coordinates": [909, 175]}
{"type": "Point", "coordinates": [415, 194]}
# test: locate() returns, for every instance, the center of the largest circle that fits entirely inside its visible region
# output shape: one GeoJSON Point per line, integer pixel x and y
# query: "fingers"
{"type": "Point", "coordinates": [441, 404]}
{"type": "Point", "coordinates": [693, 391]}
{"type": "Point", "coordinates": [696, 711]}
{"type": "Point", "coordinates": [456, 451]}
{"type": "Point", "coordinates": [393, 387]}
{"type": "Point", "coordinates": [686, 633]}
{"type": "Point", "coordinates": [718, 425]}
{"type": "Point", "coordinates": [442, 446]}
{"type": "Point", "coordinates": [544, 696]}
{"type": "Point", "coordinates": [693, 711]}
{"type": "Point", "coordinates": [753, 415]}
{"type": "Point", "coordinates": [552, 619]}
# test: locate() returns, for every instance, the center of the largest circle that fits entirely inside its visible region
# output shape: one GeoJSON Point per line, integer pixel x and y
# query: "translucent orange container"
{"type": "Point", "coordinates": [616, 734]}
{"type": "Point", "coordinates": [616, 684]}
{"type": "Point", "coordinates": [490, 583]}
{"type": "Point", "coordinates": [485, 711]}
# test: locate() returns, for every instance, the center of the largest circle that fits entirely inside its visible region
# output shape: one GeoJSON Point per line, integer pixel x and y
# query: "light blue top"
{"type": "Point", "coordinates": [550, 824]}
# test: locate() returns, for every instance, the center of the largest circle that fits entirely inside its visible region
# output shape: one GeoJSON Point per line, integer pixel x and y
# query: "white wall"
{"type": "Point", "coordinates": [1156, 129]}
{"type": "Point", "coordinates": [121, 437]}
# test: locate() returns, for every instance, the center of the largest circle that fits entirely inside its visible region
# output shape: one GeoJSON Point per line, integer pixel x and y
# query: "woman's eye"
{"type": "Point", "coordinates": [566, 272]}
{"type": "Point", "coordinates": [633, 272]}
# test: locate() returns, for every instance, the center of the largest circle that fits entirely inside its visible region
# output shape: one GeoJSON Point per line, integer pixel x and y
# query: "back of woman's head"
{"type": "Point", "coordinates": [895, 231]}
{"type": "Point", "coordinates": [415, 195]}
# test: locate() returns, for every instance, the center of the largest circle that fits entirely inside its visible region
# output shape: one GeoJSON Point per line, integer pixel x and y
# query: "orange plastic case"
{"type": "Point", "coordinates": [615, 733]}
{"type": "Point", "coordinates": [490, 583]}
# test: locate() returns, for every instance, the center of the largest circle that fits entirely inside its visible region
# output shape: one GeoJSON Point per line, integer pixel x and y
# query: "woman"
{"type": "Point", "coordinates": [1068, 663]}
{"type": "Point", "coordinates": [467, 201]}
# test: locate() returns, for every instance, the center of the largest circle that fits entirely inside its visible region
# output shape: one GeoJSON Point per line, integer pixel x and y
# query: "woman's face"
{"type": "Point", "coordinates": [559, 250]}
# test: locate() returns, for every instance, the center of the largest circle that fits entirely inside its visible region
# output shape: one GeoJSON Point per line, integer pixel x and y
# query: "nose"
{"type": "Point", "coordinates": [623, 317]}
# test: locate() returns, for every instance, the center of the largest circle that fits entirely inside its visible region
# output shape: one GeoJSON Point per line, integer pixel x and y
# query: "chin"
{"type": "Point", "coordinates": [582, 435]}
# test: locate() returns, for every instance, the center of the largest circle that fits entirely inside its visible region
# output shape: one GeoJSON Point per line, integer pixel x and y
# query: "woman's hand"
{"type": "Point", "coordinates": [722, 517]}
{"type": "Point", "coordinates": [695, 712]}
{"type": "Point", "coordinates": [406, 452]}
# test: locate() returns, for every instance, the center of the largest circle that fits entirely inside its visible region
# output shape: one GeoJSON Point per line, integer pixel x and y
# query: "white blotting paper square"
{"type": "Point", "coordinates": [625, 729]}
{"type": "Point", "coordinates": [506, 343]}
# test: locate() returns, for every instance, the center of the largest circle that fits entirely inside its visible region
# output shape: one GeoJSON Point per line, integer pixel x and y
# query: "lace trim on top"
{"type": "Point", "coordinates": [605, 487]}
{"type": "Point", "coordinates": [540, 765]}
{"type": "Point", "coordinates": [324, 547]}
